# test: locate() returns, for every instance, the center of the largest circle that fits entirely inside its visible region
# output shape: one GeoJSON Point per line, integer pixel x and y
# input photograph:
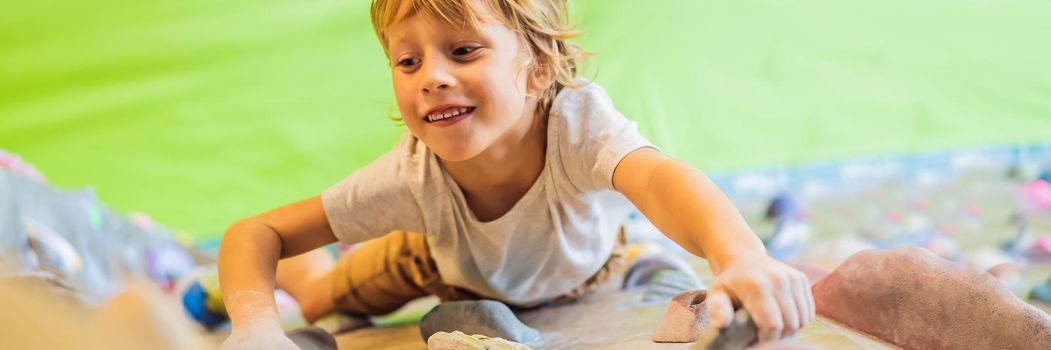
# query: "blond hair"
{"type": "Point", "coordinates": [541, 24]}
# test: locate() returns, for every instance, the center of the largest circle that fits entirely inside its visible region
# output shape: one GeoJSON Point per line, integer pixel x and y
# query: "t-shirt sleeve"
{"type": "Point", "coordinates": [593, 137]}
{"type": "Point", "coordinates": [373, 200]}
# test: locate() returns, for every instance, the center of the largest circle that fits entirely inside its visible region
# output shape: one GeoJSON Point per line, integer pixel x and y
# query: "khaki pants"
{"type": "Point", "coordinates": [382, 274]}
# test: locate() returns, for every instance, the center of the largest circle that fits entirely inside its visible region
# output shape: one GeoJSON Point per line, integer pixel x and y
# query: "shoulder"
{"type": "Point", "coordinates": [394, 168]}
{"type": "Point", "coordinates": [409, 156]}
{"type": "Point", "coordinates": [590, 136]}
{"type": "Point", "coordinates": [581, 110]}
{"type": "Point", "coordinates": [381, 196]}
{"type": "Point", "coordinates": [581, 113]}
{"type": "Point", "coordinates": [408, 147]}
{"type": "Point", "coordinates": [586, 97]}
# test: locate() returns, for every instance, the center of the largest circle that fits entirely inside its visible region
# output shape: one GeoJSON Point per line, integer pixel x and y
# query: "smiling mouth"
{"type": "Point", "coordinates": [448, 113]}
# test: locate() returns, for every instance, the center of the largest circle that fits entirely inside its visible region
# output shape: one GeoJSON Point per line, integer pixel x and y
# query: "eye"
{"type": "Point", "coordinates": [464, 50]}
{"type": "Point", "coordinates": [407, 62]}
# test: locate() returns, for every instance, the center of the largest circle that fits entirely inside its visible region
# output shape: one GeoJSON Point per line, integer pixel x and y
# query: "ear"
{"type": "Point", "coordinates": [541, 77]}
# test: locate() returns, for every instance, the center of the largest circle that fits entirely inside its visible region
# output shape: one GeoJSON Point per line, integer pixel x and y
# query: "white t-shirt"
{"type": "Point", "coordinates": [558, 235]}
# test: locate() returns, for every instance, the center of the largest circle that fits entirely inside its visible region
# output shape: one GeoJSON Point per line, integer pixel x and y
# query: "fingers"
{"type": "Point", "coordinates": [791, 308]}
{"type": "Point", "coordinates": [777, 296]}
{"type": "Point", "coordinates": [804, 300]}
{"type": "Point", "coordinates": [720, 307]}
{"type": "Point", "coordinates": [767, 316]}
{"type": "Point", "coordinates": [781, 306]}
{"type": "Point", "coordinates": [810, 303]}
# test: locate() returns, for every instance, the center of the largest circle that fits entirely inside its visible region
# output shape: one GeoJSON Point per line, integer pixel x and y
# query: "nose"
{"type": "Point", "coordinates": [435, 76]}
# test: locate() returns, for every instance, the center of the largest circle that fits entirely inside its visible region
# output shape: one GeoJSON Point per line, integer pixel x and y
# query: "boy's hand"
{"type": "Point", "coordinates": [777, 296]}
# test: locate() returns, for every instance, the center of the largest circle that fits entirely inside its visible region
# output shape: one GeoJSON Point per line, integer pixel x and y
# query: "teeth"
{"type": "Point", "coordinates": [440, 116]}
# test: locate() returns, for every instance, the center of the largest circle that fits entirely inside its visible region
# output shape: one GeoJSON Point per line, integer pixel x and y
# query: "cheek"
{"type": "Point", "coordinates": [404, 98]}
{"type": "Point", "coordinates": [508, 85]}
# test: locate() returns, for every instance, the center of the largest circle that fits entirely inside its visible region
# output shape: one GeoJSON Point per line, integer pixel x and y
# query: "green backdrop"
{"type": "Point", "coordinates": [199, 112]}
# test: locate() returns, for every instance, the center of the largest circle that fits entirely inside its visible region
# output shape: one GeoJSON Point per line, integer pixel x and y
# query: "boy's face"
{"type": "Point", "coordinates": [441, 70]}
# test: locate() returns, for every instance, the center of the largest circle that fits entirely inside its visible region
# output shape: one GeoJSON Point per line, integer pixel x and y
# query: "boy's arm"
{"type": "Point", "coordinates": [249, 252]}
{"type": "Point", "coordinates": [688, 208]}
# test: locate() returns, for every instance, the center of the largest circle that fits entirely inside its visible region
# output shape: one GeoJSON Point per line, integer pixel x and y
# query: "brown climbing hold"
{"type": "Point", "coordinates": [914, 299]}
{"type": "Point", "coordinates": [686, 317]}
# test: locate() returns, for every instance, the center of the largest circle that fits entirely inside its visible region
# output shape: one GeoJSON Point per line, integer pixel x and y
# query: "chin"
{"type": "Point", "coordinates": [455, 156]}
{"type": "Point", "coordinates": [457, 152]}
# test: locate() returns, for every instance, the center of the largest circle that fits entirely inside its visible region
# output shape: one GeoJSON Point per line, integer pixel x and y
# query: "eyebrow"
{"type": "Point", "coordinates": [458, 35]}
{"type": "Point", "coordinates": [396, 43]}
